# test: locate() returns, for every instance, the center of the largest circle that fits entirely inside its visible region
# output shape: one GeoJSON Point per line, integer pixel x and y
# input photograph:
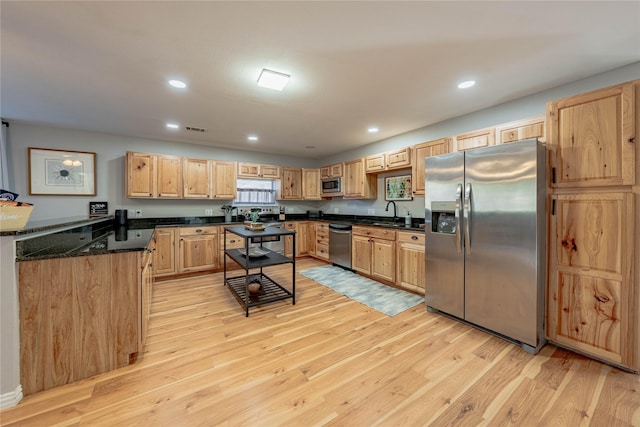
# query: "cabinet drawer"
{"type": "Point", "coordinates": [197, 231]}
{"type": "Point", "coordinates": [415, 238]}
{"type": "Point", "coordinates": [379, 233]}
{"type": "Point", "coordinates": [234, 242]}
{"type": "Point", "coordinates": [322, 250]}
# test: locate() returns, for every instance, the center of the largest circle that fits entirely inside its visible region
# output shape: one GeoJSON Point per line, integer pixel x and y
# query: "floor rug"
{"type": "Point", "coordinates": [382, 298]}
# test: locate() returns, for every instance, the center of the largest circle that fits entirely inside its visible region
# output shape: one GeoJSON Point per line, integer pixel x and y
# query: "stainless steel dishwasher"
{"type": "Point", "coordinates": [340, 244]}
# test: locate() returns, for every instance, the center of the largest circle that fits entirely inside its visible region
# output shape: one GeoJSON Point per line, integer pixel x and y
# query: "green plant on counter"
{"type": "Point", "coordinates": [255, 216]}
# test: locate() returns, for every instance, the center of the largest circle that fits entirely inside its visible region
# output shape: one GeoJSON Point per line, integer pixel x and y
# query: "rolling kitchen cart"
{"type": "Point", "coordinates": [257, 258]}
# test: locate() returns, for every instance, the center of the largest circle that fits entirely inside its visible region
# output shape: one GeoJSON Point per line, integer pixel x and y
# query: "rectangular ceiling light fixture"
{"type": "Point", "coordinates": [273, 79]}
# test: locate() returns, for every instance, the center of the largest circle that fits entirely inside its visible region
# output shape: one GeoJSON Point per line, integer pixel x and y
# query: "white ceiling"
{"type": "Point", "coordinates": [104, 66]}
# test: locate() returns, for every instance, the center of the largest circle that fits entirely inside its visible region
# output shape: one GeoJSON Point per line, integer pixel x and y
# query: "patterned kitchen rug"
{"type": "Point", "coordinates": [382, 298]}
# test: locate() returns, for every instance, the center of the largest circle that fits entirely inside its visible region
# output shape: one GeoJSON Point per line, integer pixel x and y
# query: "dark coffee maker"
{"type": "Point", "coordinates": [121, 217]}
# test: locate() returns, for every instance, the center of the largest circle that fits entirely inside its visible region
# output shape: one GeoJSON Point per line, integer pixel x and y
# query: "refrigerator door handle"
{"type": "Point", "coordinates": [467, 218]}
{"type": "Point", "coordinates": [457, 216]}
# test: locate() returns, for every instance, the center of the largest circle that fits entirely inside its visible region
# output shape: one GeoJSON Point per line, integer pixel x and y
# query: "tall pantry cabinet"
{"type": "Point", "coordinates": [593, 294]}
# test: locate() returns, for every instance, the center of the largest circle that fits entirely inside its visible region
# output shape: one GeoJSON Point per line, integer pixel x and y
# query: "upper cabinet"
{"type": "Point", "coordinates": [422, 151]}
{"type": "Point", "coordinates": [291, 184]}
{"type": "Point", "coordinates": [223, 175]}
{"type": "Point", "coordinates": [311, 189]}
{"type": "Point", "coordinates": [593, 138]}
{"type": "Point", "coordinates": [397, 159]}
{"type": "Point", "coordinates": [476, 139]}
{"type": "Point", "coordinates": [332, 171]}
{"type": "Point", "coordinates": [256, 170]}
{"type": "Point", "coordinates": [196, 174]}
{"type": "Point", "coordinates": [520, 129]}
{"type": "Point", "coordinates": [154, 176]}
{"type": "Point", "coordinates": [357, 184]}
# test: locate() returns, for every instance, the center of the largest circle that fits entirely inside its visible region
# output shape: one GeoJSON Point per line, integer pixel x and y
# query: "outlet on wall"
{"type": "Point", "coordinates": [371, 211]}
{"type": "Point", "coordinates": [336, 210]}
{"type": "Point", "coordinates": [208, 211]}
{"type": "Point", "coordinates": [138, 213]}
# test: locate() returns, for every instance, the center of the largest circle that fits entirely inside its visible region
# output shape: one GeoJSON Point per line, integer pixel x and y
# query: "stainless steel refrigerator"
{"type": "Point", "coordinates": [485, 239]}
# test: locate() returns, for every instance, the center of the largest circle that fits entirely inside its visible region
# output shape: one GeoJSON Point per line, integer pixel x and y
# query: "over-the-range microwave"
{"type": "Point", "coordinates": [331, 185]}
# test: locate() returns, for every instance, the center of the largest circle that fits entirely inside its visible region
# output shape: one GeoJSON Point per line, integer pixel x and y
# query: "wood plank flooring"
{"type": "Point", "coordinates": [329, 361]}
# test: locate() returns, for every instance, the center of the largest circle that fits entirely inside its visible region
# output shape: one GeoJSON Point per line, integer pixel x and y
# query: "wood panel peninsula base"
{"type": "Point", "coordinates": [256, 258]}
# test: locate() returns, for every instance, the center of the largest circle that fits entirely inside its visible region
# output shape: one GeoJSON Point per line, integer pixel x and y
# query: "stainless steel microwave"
{"type": "Point", "coordinates": [331, 185]}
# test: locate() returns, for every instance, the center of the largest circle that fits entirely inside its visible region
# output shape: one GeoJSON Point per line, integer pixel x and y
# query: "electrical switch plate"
{"type": "Point", "coordinates": [336, 210]}
{"type": "Point", "coordinates": [208, 211]}
{"type": "Point", "coordinates": [371, 211]}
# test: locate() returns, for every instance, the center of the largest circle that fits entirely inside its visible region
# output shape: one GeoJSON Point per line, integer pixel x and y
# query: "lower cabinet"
{"type": "Point", "coordinates": [302, 239]}
{"type": "Point", "coordinates": [410, 264]}
{"type": "Point", "coordinates": [164, 257]}
{"type": "Point", "coordinates": [78, 317]}
{"type": "Point", "coordinates": [321, 240]}
{"type": "Point", "coordinates": [146, 289]}
{"type": "Point", "coordinates": [198, 249]}
{"type": "Point", "coordinates": [373, 252]}
{"type": "Point", "coordinates": [592, 305]}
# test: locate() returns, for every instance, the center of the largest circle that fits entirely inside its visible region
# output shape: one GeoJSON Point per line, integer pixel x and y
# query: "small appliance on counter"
{"type": "Point", "coordinates": [121, 217]}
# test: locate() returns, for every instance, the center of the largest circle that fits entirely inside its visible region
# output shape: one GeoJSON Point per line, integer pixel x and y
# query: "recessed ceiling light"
{"type": "Point", "coordinates": [373, 129]}
{"type": "Point", "coordinates": [467, 84]}
{"type": "Point", "coordinates": [273, 79]}
{"type": "Point", "coordinates": [252, 138]}
{"type": "Point", "coordinates": [309, 147]}
{"type": "Point", "coordinates": [172, 126]}
{"type": "Point", "coordinates": [177, 83]}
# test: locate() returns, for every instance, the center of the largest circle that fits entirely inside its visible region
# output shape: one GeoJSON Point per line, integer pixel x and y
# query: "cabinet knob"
{"type": "Point", "coordinates": [199, 230]}
{"type": "Point", "coordinates": [414, 237]}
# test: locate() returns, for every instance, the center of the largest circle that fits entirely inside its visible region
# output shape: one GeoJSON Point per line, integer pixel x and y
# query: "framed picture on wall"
{"type": "Point", "coordinates": [61, 173]}
{"type": "Point", "coordinates": [398, 188]}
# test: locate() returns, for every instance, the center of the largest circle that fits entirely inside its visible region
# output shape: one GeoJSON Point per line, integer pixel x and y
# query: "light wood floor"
{"type": "Point", "coordinates": [330, 361]}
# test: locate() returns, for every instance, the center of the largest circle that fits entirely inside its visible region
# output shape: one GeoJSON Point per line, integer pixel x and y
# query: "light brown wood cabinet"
{"type": "Point", "coordinates": [521, 129]}
{"type": "Point", "coordinates": [593, 138]}
{"type": "Point", "coordinates": [233, 241]}
{"type": "Point", "coordinates": [410, 263]}
{"type": "Point", "coordinates": [322, 240]}
{"type": "Point", "coordinates": [311, 186]}
{"type": "Point", "coordinates": [78, 317]}
{"type": "Point", "coordinates": [420, 152]}
{"type": "Point", "coordinates": [291, 184]}
{"type": "Point", "coordinates": [476, 139]}
{"type": "Point", "coordinates": [146, 292]}
{"type": "Point", "coordinates": [332, 171]}
{"type": "Point", "coordinates": [153, 176]}
{"type": "Point", "coordinates": [198, 249]}
{"type": "Point", "coordinates": [223, 176]}
{"type": "Point", "coordinates": [593, 284]}
{"type": "Point", "coordinates": [373, 252]}
{"type": "Point", "coordinates": [302, 239]}
{"type": "Point", "coordinates": [196, 178]}
{"type": "Point", "coordinates": [591, 300]}
{"type": "Point", "coordinates": [391, 160]}
{"type": "Point", "coordinates": [257, 170]}
{"type": "Point", "coordinates": [164, 256]}
{"type": "Point", "coordinates": [356, 183]}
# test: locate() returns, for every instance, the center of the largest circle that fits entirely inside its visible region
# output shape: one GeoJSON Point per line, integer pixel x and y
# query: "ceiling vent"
{"type": "Point", "coordinates": [194, 129]}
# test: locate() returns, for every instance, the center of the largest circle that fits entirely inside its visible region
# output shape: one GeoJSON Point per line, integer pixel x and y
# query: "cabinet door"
{"type": "Point", "coordinates": [357, 184]}
{"type": "Point", "coordinates": [475, 139]}
{"type": "Point", "coordinates": [164, 257]}
{"type": "Point", "coordinates": [590, 300]}
{"type": "Point", "coordinates": [198, 250]}
{"type": "Point", "coordinates": [169, 177]}
{"type": "Point", "coordinates": [248, 170]}
{"type": "Point", "coordinates": [421, 152]}
{"type": "Point", "coordinates": [519, 130]}
{"type": "Point", "coordinates": [322, 240]}
{"type": "Point", "coordinates": [398, 159]}
{"type": "Point", "coordinates": [302, 238]}
{"type": "Point", "coordinates": [410, 265]}
{"type": "Point", "coordinates": [146, 287]}
{"type": "Point", "coordinates": [593, 136]}
{"type": "Point", "coordinates": [383, 259]}
{"type": "Point", "coordinates": [224, 180]}
{"type": "Point", "coordinates": [361, 254]}
{"type": "Point", "coordinates": [270, 171]}
{"type": "Point", "coordinates": [196, 177]}
{"type": "Point", "coordinates": [288, 240]}
{"type": "Point", "coordinates": [141, 175]}
{"type": "Point", "coordinates": [375, 163]}
{"type": "Point", "coordinates": [291, 184]}
{"type": "Point", "coordinates": [311, 184]}
{"type": "Point", "coordinates": [311, 238]}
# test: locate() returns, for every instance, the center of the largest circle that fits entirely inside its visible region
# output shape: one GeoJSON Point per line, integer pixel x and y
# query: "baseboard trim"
{"type": "Point", "coordinates": [7, 400]}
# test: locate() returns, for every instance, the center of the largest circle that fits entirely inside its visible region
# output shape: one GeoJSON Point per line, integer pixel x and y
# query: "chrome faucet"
{"type": "Point", "coordinates": [395, 216]}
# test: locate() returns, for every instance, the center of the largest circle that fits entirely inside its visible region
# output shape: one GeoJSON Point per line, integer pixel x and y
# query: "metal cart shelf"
{"type": "Point", "coordinates": [270, 290]}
